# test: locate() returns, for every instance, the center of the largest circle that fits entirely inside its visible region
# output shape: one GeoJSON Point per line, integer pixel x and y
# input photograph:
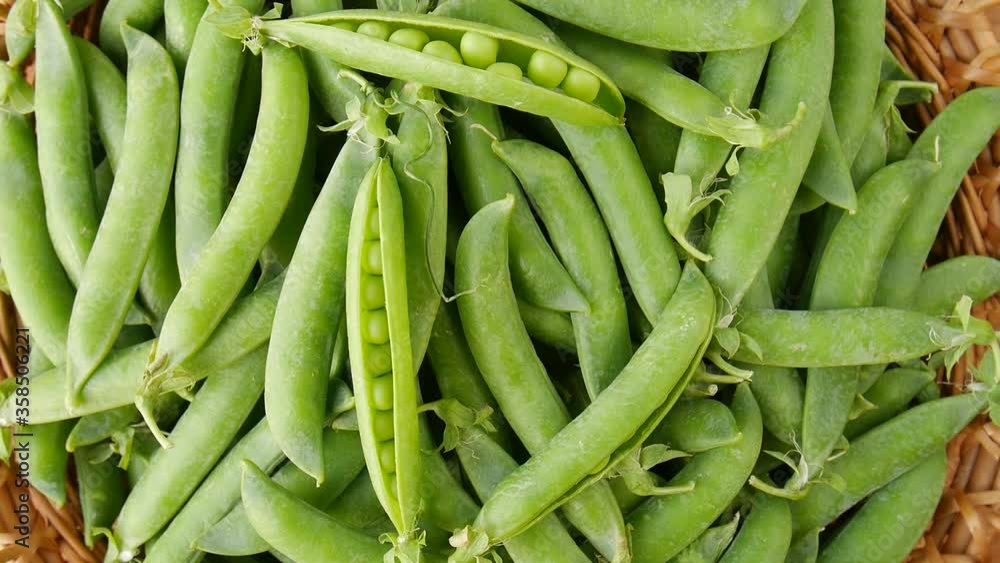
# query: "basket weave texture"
{"type": "Point", "coordinates": [953, 43]}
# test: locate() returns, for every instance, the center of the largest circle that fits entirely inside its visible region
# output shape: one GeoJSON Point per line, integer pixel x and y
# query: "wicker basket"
{"type": "Point", "coordinates": [954, 43]}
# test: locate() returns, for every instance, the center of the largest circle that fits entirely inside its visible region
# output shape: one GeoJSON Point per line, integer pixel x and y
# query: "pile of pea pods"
{"type": "Point", "coordinates": [476, 281]}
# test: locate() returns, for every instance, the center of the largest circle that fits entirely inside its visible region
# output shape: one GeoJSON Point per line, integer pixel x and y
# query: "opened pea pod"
{"type": "Point", "coordinates": [472, 59]}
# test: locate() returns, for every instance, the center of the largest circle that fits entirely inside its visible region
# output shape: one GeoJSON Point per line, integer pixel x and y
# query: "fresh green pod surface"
{"type": "Point", "coordinates": [107, 95]}
{"type": "Point", "coordinates": [550, 476]}
{"type": "Point", "coordinates": [800, 66]}
{"type": "Point", "coordinates": [537, 275]}
{"type": "Point", "coordinates": [143, 15]}
{"type": "Point", "coordinates": [19, 31]}
{"type": "Point", "coordinates": [891, 521]}
{"type": "Point", "coordinates": [34, 274]}
{"type": "Point", "coordinates": [501, 13]}
{"type": "Point", "coordinates": [101, 485]}
{"type": "Point", "coordinates": [547, 326]}
{"type": "Point", "coordinates": [181, 19]}
{"type": "Point", "coordinates": [883, 454]}
{"type": "Point", "coordinates": [890, 394]}
{"type": "Point", "coordinates": [718, 476]}
{"type": "Point", "coordinates": [846, 337]}
{"type": "Point", "coordinates": [382, 57]}
{"type": "Point", "coordinates": [765, 535]}
{"type": "Point", "coordinates": [378, 337]}
{"type": "Point", "coordinates": [64, 143]}
{"type": "Point", "coordinates": [697, 425]}
{"type": "Point", "coordinates": [657, 141]}
{"type": "Point", "coordinates": [234, 535]}
{"type": "Point", "coordinates": [111, 275]}
{"type": "Point", "coordinates": [98, 427]}
{"type": "Point", "coordinates": [228, 258]}
{"type": "Point", "coordinates": [680, 25]}
{"type": "Point", "coordinates": [173, 474]}
{"type": "Point", "coordinates": [309, 313]}
{"type": "Point", "coordinates": [49, 458]}
{"type": "Point", "coordinates": [942, 285]}
{"type": "Point", "coordinates": [829, 172]}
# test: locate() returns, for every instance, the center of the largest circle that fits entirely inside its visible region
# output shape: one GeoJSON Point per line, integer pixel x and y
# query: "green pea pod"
{"type": "Point", "coordinates": [890, 394]}
{"type": "Point", "coordinates": [805, 549]}
{"type": "Point", "coordinates": [286, 236]}
{"type": "Point", "coordinates": [360, 508]}
{"type": "Point", "coordinates": [883, 454]}
{"type": "Point", "coordinates": [143, 15]}
{"type": "Point", "coordinates": [536, 272]}
{"type": "Point", "coordinates": [144, 447]}
{"type": "Point", "coordinates": [942, 285]}
{"type": "Point", "coordinates": [829, 172]}
{"type": "Point", "coordinates": [679, 25]}
{"type": "Point", "coordinates": [174, 474]}
{"type": "Point", "coordinates": [766, 534]}
{"type": "Point", "coordinates": [332, 88]}
{"type": "Point", "coordinates": [501, 13]}
{"type": "Point", "coordinates": [181, 19]}
{"type": "Point", "coordinates": [378, 337]}
{"type": "Point", "coordinates": [657, 141]}
{"type": "Point", "coordinates": [954, 139]}
{"type": "Point", "coordinates": [101, 486]}
{"type": "Point", "coordinates": [228, 258]}
{"type": "Point", "coordinates": [718, 476]}
{"type": "Point", "coordinates": [19, 31]}
{"type": "Point", "coordinates": [107, 95]}
{"type": "Point", "coordinates": [420, 162]}
{"type": "Point", "coordinates": [585, 95]}
{"type": "Point", "coordinates": [891, 521]}
{"type": "Point", "coordinates": [208, 99]}
{"type": "Point", "coordinates": [309, 313]}
{"type": "Point", "coordinates": [697, 425]}
{"type": "Point", "coordinates": [547, 326]}
{"type": "Point", "coordinates": [866, 335]}
{"type": "Point", "coordinates": [49, 458]}
{"type": "Point", "coordinates": [458, 376]}
{"type": "Point", "coordinates": [782, 262]}
{"type": "Point", "coordinates": [578, 234]}
{"type": "Point", "coordinates": [860, 36]}
{"type": "Point", "coordinates": [98, 427]}
{"type": "Point", "coordinates": [64, 143]}
{"type": "Point", "coordinates": [215, 497]}
{"type": "Point", "coordinates": [562, 469]}
{"type": "Point", "coordinates": [234, 535]}
{"type": "Point", "coordinates": [873, 154]}
{"type": "Point", "coordinates": [898, 139]}
{"type": "Point", "coordinates": [446, 503]}
{"type": "Point", "coordinates": [646, 78]}
{"type": "Point", "coordinates": [526, 395]}
{"type": "Point", "coordinates": [799, 73]}
{"type": "Point", "coordinates": [141, 187]}
{"type": "Point", "coordinates": [298, 530]}
{"type": "Point", "coordinates": [34, 274]}
{"type": "Point", "coordinates": [487, 464]}
{"type": "Point", "coordinates": [733, 77]}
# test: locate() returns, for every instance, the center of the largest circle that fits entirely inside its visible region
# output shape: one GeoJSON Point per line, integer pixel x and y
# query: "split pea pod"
{"type": "Point", "coordinates": [942, 285]}
{"type": "Point", "coordinates": [862, 336]}
{"type": "Point", "coordinates": [648, 79]}
{"type": "Point", "coordinates": [891, 521]}
{"type": "Point", "coordinates": [234, 535]}
{"type": "Point", "coordinates": [101, 486]}
{"type": "Point", "coordinates": [762, 193]}
{"type": "Point", "coordinates": [733, 77]}
{"type": "Point", "coordinates": [470, 59]}
{"type": "Point", "coordinates": [381, 358]}
{"type": "Point", "coordinates": [526, 395]}
{"type": "Point", "coordinates": [173, 474]}
{"type": "Point", "coordinates": [35, 276]}
{"type": "Point", "coordinates": [765, 535]}
{"type": "Point", "coordinates": [142, 184]}
{"type": "Point", "coordinates": [537, 275]}
{"type": "Point", "coordinates": [679, 25]}
{"type": "Point", "coordinates": [298, 530]}
{"type": "Point", "coordinates": [718, 476]}
{"type": "Point", "coordinates": [64, 144]}
{"type": "Point", "coordinates": [225, 263]}
{"type": "Point", "coordinates": [181, 19]}
{"type": "Point", "coordinates": [420, 163]}
{"type": "Point", "coordinates": [309, 313]}
{"type": "Point", "coordinates": [954, 139]}
{"type": "Point", "coordinates": [578, 234]}
{"type": "Point", "coordinates": [142, 15]}
{"type": "Point", "coordinates": [561, 469]}
{"type": "Point", "coordinates": [208, 99]}
{"type": "Point", "coordinates": [486, 464]}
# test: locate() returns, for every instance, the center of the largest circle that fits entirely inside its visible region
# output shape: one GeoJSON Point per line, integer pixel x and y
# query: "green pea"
{"type": "Point", "coordinates": [371, 225]}
{"type": "Point", "coordinates": [546, 70]}
{"type": "Point", "coordinates": [410, 38]}
{"type": "Point", "coordinates": [382, 393]}
{"type": "Point", "coordinates": [380, 362]}
{"type": "Point", "coordinates": [373, 292]}
{"type": "Point", "coordinates": [581, 84]}
{"type": "Point", "coordinates": [376, 325]}
{"type": "Point", "coordinates": [479, 50]}
{"type": "Point", "coordinates": [509, 70]}
{"type": "Point", "coordinates": [378, 30]}
{"type": "Point", "coordinates": [443, 50]}
{"type": "Point", "coordinates": [382, 423]}
{"type": "Point", "coordinates": [387, 456]}
{"type": "Point", "coordinates": [346, 26]}
{"type": "Point", "coordinates": [372, 255]}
